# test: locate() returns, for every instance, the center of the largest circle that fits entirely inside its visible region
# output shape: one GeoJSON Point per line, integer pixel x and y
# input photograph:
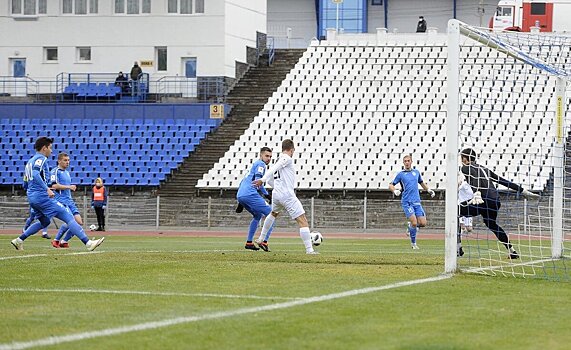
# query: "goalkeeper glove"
{"type": "Point", "coordinates": [477, 198]}
{"type": "Point", "coordinates": [529, 195]}
{"type": "Point", "coordinates": [396, 192]}
{"type": "Point", "coordinates": [431, 193]}
{"type": "Point", "coordinates": [239, 208]}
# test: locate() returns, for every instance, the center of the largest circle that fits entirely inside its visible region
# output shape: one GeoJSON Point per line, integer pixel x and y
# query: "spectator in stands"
{"type": "Point", "coordinates": [99, 203]}
{"type": "Point", "coordinates": [283, 195]}
{"type": "Point", "coordinates": [409, 179]}
{"type": "Point", "coordinates": [41, 198]}
{"type": "Point", "coordinates": [421, 25]}
{"type": "Point", "coordinates": [486, 201]}
{"type": "Point", "coordinates": [250, 198]}
{"type": "Point", "coordinates": [122, 82]}
{"type": "Point", "coordinates": [135, 72]}
{"type": "Point", "coordinates": [61, 184]}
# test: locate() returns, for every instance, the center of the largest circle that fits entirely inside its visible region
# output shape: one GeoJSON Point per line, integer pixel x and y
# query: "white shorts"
{"type": "Point", "coordinates": [291, 204]}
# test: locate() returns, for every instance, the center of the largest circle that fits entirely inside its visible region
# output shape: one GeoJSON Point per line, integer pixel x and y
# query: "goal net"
{"type": "Point", "coordinates": [506, 147]}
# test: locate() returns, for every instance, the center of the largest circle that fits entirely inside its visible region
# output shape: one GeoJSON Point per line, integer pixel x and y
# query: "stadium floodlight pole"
{"type": "Point", "coordinates": [558, 172]}
{"type": "Point", "coordinates": [452, 120]}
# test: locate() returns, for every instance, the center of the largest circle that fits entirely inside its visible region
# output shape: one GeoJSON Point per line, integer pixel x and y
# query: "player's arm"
{"type": "Point", "coordinates": [427, 189]}
{"type": "Point", "coordinates": [511, 185]}
{"type": "Point", "coordinates": [280, 164]}
{"type": "Point", "coordinates": [37, 178]}
{"type": "Point", "coordinates": [392, 187]}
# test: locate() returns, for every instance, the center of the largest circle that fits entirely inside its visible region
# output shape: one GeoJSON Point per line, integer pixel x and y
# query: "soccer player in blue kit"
{"type": "Point", "coordinates": [61, 184]}
{"type": "Point", "coordinates": [409, 179]}
{"type": "Point", "coordinates": [41, 198]}
{"type": "Point", "coordinates": [250, 197]}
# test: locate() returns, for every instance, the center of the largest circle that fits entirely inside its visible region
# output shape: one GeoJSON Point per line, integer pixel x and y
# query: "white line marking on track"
{"type": "Point", "coordinates": [210, 316]}
{"type": "Point", "coordinates": [135, 292]}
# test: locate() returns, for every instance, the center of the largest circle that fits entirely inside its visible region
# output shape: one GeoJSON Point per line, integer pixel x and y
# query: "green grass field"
{"type": "Point", "coordinates": [166, 292]}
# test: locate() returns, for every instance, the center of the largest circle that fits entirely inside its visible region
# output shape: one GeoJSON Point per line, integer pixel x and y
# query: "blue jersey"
{"type": "Point", "coordinates": [256, 172]}
{"type": "Point", "coordinates": [409, 181]}
{"type": "Point", "coordinates": [62, 177]}
{"type": "Point", "coordinates": [37, 174]}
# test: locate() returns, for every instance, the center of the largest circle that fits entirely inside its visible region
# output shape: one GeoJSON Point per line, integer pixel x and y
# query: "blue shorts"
{"type": "Point", "coordinates": [255, 205]}
{"type": "Point", "coordinates": [71, 206]}
{"type": "Point", "coordinates": [49, 208]}
{"type": "Point", "coordinates": [411, 208]}
{"type": "Point", "coordinates": [34, 215]}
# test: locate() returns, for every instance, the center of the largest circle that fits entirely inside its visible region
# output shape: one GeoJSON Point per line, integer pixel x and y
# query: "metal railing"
{"type": "Point", "coordinates": [18, 87]}
{"type": "Point", "coordinates": [199, 89]}
{"type": "Point", "coordinates": [271, 50]}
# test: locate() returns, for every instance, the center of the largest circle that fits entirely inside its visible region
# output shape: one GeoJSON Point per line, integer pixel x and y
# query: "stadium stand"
{"type": "Point", "coordinates": [123, 151]}
{"type": "Point", "coordinates": [355, 108]}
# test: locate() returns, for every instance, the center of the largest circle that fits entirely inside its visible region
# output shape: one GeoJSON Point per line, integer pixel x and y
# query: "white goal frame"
{"type": "Point", "coordinates": [456, 29]}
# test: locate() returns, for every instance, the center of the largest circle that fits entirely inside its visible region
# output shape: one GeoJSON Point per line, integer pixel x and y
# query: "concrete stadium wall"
{"type": "Point", "coordinates": [106, 111]}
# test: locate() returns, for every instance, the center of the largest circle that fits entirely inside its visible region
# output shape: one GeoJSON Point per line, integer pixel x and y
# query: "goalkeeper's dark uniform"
{"type": "Point", "coordinates": [482, 179]}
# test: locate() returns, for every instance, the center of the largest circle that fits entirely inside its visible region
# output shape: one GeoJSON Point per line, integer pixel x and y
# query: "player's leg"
{"type": "Point", "coordinates": [295, 210]}
{"type": "Point", "coordinates": [247, 203]}
{"type": "Point", "coordinates": [276, 207]}
{"type": "Point", "coordinates": [64, 229]}
{"type": "Point", "coordinates": [63, 213]}
{"type": "Point", "coordinates": [412, 223]}
{"type": "Point", "coordinates": [490, 216]}
{"type": "Point", "coordinates": [31, 218]}
{"type": "Point", "coordinates": [18, 243]}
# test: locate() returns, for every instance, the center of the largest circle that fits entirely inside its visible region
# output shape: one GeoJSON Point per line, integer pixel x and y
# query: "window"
{"type": "Point", "coordinates": [352, 16]}
{"type": "Point", "coordinates": [538, 8]}
{"type": "Point", "coordinates": [84, 54]}
{"type": "Point", "coordinates": [79, 7]}
{"type": "Point", "coordinates": [132, 7]}
{"type": "Point", "coordinates": [376, 2]}
{"type": "Point", "coordinates": [50, 54]}
{"type": "Point", "coordinates": [504, 11]}
{"type": "Point", "coordinates": [199, 6]}
{"type": "Point", "coordinates": [161, 58]}
{"type": "Point", "coordinates": [29, 7]}
{"type": "Point", "coordinates": [184, 7]}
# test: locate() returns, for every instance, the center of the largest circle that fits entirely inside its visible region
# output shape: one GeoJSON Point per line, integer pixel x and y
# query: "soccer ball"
{"type": "Point", "coordinates": [92, 227]}
{"type": "Point", "coordinates": [316, 238]}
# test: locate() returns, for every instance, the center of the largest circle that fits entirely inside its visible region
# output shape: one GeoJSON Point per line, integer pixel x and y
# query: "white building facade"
{"type": "Point", "coordinates": [43, 38]}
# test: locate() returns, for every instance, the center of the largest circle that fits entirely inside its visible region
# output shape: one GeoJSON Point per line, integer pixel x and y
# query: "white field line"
{"type": "Point", "coordinates": [209, 316]}
{"type": "Point", "coordinates": [135, 292]}
{"type": "Point", "coordinates": [491, 268]}
{"type": "Point", "coordinates": [40, 255]}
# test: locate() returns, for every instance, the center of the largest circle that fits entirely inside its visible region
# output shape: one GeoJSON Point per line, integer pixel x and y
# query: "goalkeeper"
{"type": "Point", "coordinates": [486, 201]}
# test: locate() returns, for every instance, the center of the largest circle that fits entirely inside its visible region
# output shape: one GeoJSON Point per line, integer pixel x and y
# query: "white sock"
{"type": "Point", "coordinates": [267, 225]}
{"type": "Point", "coordinates": [306, 237]}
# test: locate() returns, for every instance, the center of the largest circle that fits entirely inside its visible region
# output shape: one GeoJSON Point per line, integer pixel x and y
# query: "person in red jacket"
{"type": "Point", "coordinates": [99, 203]}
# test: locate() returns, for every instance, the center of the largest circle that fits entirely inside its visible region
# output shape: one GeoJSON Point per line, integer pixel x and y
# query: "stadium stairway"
{"type": "Point", "coordinates": [247, 97]}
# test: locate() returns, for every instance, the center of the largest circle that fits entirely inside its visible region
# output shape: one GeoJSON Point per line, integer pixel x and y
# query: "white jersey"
{"type": "Point", "coordinates": [465, 192]}
{"type": "Point", "coordinates": [283, 174]}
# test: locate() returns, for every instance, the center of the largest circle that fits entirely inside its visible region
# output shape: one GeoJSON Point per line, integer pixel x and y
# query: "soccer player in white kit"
{"type": "Point", "coordinates": [283, 195]}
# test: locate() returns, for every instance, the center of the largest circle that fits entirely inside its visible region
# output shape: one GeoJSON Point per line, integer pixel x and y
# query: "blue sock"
{"type": "Point", "coordinates": [28, 223]}
{"type": "Point", "coordinates": [270, 232]}
{"type": "Point", "coordinates": [253, 228]}
{"type": "Point", "coordinates": [412, 232]}
{"type": "Point", "coordinates": [77, 230]}
{"type": "Point", "coordinates": [68, 235]}
{"type": "Point", "coordinates": [34, 228]}
{"type": "Point", "coordinates": [61, 232]}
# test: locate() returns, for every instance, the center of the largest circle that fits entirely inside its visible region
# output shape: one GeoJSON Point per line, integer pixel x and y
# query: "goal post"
{"type": "Point", "coordinates": [506, 101]}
